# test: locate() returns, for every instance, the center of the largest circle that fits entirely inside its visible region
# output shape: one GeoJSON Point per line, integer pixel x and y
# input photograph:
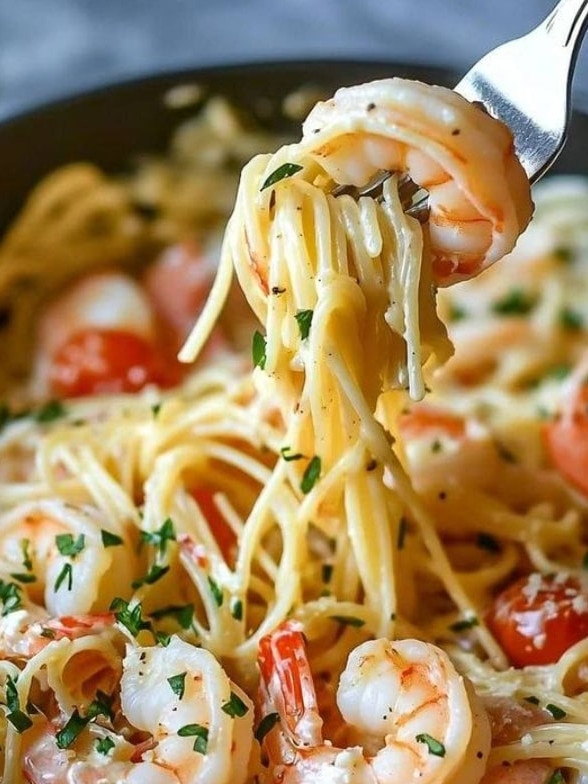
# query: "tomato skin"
{"type": "Point", "coordinates": [221, 530]}
{"type": "Point", "coordinates": [538, 618]}
{"type": "Point", "coordinates": [108, 361]}
{"type": "Point", "coordinates": [566, 439]}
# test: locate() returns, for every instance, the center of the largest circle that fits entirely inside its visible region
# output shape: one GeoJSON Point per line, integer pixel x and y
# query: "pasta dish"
{"type": "Point", "coordinates": [343, 538]}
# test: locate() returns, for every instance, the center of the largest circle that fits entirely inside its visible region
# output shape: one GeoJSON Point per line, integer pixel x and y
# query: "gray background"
{"type": "Point", "coordinates": [53, 47]}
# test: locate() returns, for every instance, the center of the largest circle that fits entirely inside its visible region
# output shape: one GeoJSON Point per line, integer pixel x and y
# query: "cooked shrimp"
{"type": "Point", "coordinates": [408, 716]}
{"type": "Point", "coordinates": [479, 195]}
{"type": "Point", "coordinates": [54, 551]}
{"type": "Point", "coordinates": [203, 730]}
{"type": "Point", "coordinates": [200, 725]}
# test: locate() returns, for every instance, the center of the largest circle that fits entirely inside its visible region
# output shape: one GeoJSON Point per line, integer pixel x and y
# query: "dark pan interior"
{"type": "Point", "coordinates": [111, 125]}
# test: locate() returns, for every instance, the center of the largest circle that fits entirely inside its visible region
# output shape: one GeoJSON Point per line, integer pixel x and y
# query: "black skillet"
{"type": "Point", "coordinates": [112, 124]}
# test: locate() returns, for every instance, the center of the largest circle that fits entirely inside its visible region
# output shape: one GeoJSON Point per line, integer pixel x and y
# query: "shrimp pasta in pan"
{"type": "Point", "coordinates": [342, 538]}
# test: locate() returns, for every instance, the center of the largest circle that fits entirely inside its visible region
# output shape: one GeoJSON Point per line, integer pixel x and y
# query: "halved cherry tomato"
{"type": "Point", "coordinates": [221, 530]}
{"type": "Point", "coordinates": [566, 439]}
{"type": "Point", "coordinates": [426, 420]}
{"type": "Point", "coordinates": [539, 617]}
{"type": "Point", "coordinates": [101, 361]}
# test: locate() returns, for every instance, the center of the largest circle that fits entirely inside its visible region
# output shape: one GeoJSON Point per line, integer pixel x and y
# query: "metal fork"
{"type": "Point", "coordinates": [526, 83]}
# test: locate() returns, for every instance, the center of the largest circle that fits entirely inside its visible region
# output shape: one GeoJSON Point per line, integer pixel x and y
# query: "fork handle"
{"type": "Point", "coordinates": [566, 24]}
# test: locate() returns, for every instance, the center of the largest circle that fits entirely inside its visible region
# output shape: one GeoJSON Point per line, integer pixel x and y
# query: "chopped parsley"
{"type": "Point", "coordinates": [154, 574]}
{"type": "Point", "coordinates": [237, 609]}
{"type": "Point", "coordinates": [348, 620]}
{"type": "Point", "coordinates": [73, 727]}
{"type": "Point", "coordinates": [18, 718]}
{"type": "Point", "coordinates": [304, 320]}
{"type": "Point", "coordinates": [281, 173]}
{"type": "Point", "coordinates": [435, 746]}
{"type": "Point", "coordinates": [178, 684]}
{"type": "Point", "coordinates": [311, 475]}
{"type": "Point", "coordinates": [266, 725]}
{"type": "Point", "coordinates": [66, 573]}
{"type": "Point", "coordinates": [101, 705]}
{"type": "Point", "coordinates": [516, 303]}
{"type": "Point", "coordinates": [161, 537]}
{"type": "Point", "coordinates": [465, 624]}
{"type": "Point", "coordinates": [104, 745]}
{"type": "Point", "coordinates": [555, 711]}
{"type": "Point", "coordinates": [24, 577]}
{"type": "Point", "coordinates": [327, 572]}
{"type": "Point", "coordinates": [563, 253]}
{"type": "Point", "coordinates": [216, 591]}
{"type": "Point", "coordinates": [109, 539]}
{"type": "Point", "coordinates": [259, 350]}
{"type": "Point", "coordinates": [197, 731]}
{"type": "Point", "coordinates": [183, 614]}
{"type": "Point", "coordinates": [129, 617]}
{"type": "Point", "coordinates": [235, 707]}
{"type": "Point", "coordinates": [50, 411]}
{"type": "Point", "coordinates": [155, 409]}
{"type": "Point", "coordinates": [162, 638]}
{"type": "Point", "coordinates": [571, 320]}
{"type": "Point", "coordinates": [556, 777]}
{"type": "Point", "coordinates": [27, 561]}
{"type": "Point", "coordinates": [288, 455]}
{"type": "Point", "coordinates": [67, 545]}
{"type": "Point", "coordinates": [532, 699]}
{"type": "Point", "coordinates": [457, 313]}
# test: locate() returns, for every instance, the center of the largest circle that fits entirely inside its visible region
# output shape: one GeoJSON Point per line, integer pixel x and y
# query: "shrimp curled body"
{"type": "Point", "coordinates": [408, 716]}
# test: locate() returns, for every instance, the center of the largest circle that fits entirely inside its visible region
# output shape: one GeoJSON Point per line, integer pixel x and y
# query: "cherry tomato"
{"type": "Point", "coordinates": [539, 617]}
{"type": "Point", "coordinates": [101, 361]}
{"type": "Point", "coordinates": [221, 530]}
{"type": "Point", "coordinates": [566, 439]}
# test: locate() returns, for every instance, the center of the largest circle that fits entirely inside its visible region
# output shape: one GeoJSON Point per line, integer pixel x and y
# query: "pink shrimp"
{"type": "Point", "coordinates": [407, 713]}
{"type": "Point", "coordinates": [25, 632]}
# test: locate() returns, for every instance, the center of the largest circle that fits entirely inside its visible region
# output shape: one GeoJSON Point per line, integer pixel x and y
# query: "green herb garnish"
{"type": "Point", "coordinates": [304, 319]}
{"type": "Point", "coordinates": [435, 746]}
{"type": "Point", "coordinates": [457, 313]}
{"type": "Point", "coordinates": [258, 350]}
{"type": "Point", "coordinates": [288, 455]}
{"type": "Point", "coordinates": [463, 625]}
{"type": "Point", "coordinates": [281, 173]}
{"type": "Point", "coordinates": [266, 725]}
{"type": "Point", "coordinates": [556, 777]}
{"type": "Point", "coordinates": [348, 620]}
{"type": "Point", "coordinates": [73, 727]}
{"type": "Point", "coordinates": [66, 573]}
{"type": "Point", "coordinates": [532, 699]}
{"type": "Point", "coordinates": [235, 707]}
{"type": "Point", "coordinates": [216, 592]}
{"type": "Point", "coordinates": [68, 546]}
{"type": "Point", "coordinates": [183, 614]}
{"type": "Point", "coordinates": [327, 572]}
{"type": "Point", "coordinates": [104, 745]}
{"type": "Point", "coordinates": [154, 574]}
{"type": "Point", "coordinates": [178, 684]}
{"type": "Point", "coordinates": [27, 561]}
{"type": "Point", "coordinates": [237, 609]}
{"type": "Point", "coordinates": [197, 731]}
{"type": "Point", "coordinates": [50, 411]}
{"type": "Point", "coordinates": [10, 596]}
{"type": "Point", "coordinates": [555, 711]}
{"type": "Point", "coordinates": [515, 303]}
{"type": "Point", "coordinates": [23, 577]}
{"type": "Point", "coordinates": [161, 537]}
{"type": "Point", "coordinates": [162, 638]}
{"type": "Point", "coordinates": [311, 475]}
{"type": "Point", "coordinates": [130, 617]}
{"type": "Point", "coordinates": [571, 320]}
{"type": "Point", "coordinates": [109, 539]}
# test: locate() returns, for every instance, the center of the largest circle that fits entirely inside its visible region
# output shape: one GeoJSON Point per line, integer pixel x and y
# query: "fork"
{"type": "Point", "coordinates": [526, 83]}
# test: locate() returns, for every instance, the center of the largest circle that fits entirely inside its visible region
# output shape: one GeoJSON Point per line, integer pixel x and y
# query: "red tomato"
{"type": "Point", "coordinates": [221, 530]}
{"type": "Point", "coordinates": [539, 617]}
{"type": "Point", "coordinates": [566, 439]}
{"type": "Point", "coordinates": [97, 361]}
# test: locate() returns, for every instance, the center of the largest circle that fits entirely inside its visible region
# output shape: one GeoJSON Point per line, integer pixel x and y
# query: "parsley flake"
{"type": "Point", "coordinates": [109, 539]}
{"type": "Point", "coordinates": [129, 617]}
{"type": "Point", "coordinates": [465, 624]}
{"type": "Point", "coordinates": [259, 350]}
{"type": "Point", "coordinates": [162, 638]}
{"type": "Point", "coordinates": [237, 609]}
{"type": "Point", "coordinates": [10, 596]}
{"type": "Point", "coordinates": [19, 720]}
{"type": "Point", "coordinates": [73, 727]}
{"type": "Point", "coordinates": [68, 546]}
{"type": "Point", "coordinates": [27, 561]}
{"type": "Point", "coordinates": [281, 173]}
{"type": "Point", "coordinates": [235, 707]}
{"type": "Point", "coordinates": [154, 574]}
{"type": "Point", "coordinates": [348, 620]}
{"type": "Point", "coordinates": [557, 777]}
{"type": "Point", "coordinates": [50, 411]}
{"type": "Point", "coordinates": [555, 711]}
{"type": "Point", "coordinates": [66, 573]}
{"type": "Point", "coordinates": [516, 303]}
{"type": "Point", "coordinates": [178, 684]}
{"type": "Point", "coordinates": [266, 725]}
{"type": "Point", "coordinates": [183, 614]}
{"type": "Point", "coordinates": [311, 475]}
{"type": "Point", "coordinates": [104, 745]}
{"type": "Point", "coordinates": [216, 591]}
{"type": "Point", "coordinates": [23, 577]}
{"type": "Point", "coordinates": [197, 731]}
{"type": "Point", "coordinates": [571, 320]}
{"type": "Point", "coordinates": [288, 455]}
{"type": "Point", "coordinates": [327, 572]}
{"type": "Point", "coordinates": [161, 537]}
{"type": "Point", "coordinates": [304, 320]}
{"type": "Point", "coordinates": [435, 746]}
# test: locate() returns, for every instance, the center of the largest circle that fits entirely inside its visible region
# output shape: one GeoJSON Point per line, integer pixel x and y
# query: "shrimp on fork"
{"type": "Point", "coordinates": [408, 716]}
